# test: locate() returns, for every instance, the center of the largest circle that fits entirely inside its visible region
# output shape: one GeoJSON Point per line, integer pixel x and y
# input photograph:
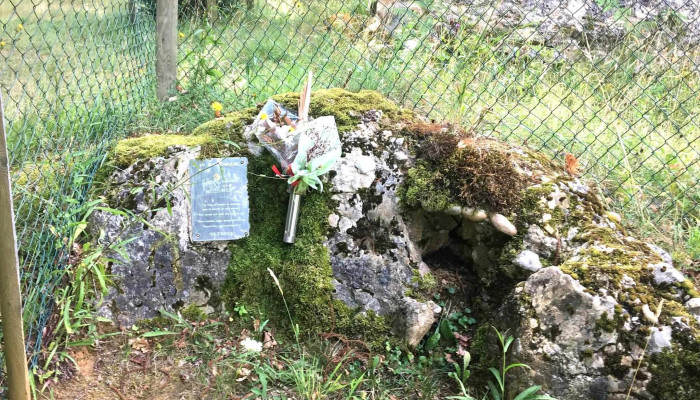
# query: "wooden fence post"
{"type": "Point", "coordinates": [10, 296]}
{"type": "Point", "coordinates": [131, 10]}
{"type": "Point", "coordinates": [166, 47]}
{"type": "Point", "coordinates": [212, 10]}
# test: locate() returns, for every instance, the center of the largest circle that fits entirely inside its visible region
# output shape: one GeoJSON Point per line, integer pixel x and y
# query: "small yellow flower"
{"type": "Point", "coordinates": [253, 95]}
{"type": "Point", "coordinates": [216, 106]}
{"type": "Point", "coordinates": [263, 117]}
{"type": "Point", "coordinates": [2, 43]}
{"type": "Point", "coordinates": [20, 27]}
{"type": "Point", "coordinates": [182, 35]}
{"type": "Point", "coordinates": [292, 129]}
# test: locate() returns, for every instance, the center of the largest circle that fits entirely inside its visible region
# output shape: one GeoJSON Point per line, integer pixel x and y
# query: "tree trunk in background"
{"type": "Point", "coordinates": [212, 10]}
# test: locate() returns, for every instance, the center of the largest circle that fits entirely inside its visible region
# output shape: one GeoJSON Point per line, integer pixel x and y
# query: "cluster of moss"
{"type": "Point", "coordinates": [346, 106]}
{"type": "Point", "coordinates": [674, 373]}
{"type": "Point", "coordinates": [424, 187]}
{"type": "Point", "coordinates": [303, 269]}
{"type": "Point", "coordinates": [475, 173]}
{"type": "Point", "coordinates": [128, 151]}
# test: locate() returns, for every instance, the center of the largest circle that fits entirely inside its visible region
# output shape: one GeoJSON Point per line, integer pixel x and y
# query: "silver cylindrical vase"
{"type": "Point", "coordinates": [290, 227]}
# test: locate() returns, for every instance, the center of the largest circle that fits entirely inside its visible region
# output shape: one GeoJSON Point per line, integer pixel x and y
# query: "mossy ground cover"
{"type": "Point", "coordinates": [303, 268]}
{"type": "Point", "coordinates": [457, 170]}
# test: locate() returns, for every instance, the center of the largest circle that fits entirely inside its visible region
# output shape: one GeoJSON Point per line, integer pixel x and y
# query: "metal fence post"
{"type": "Point", "coordinates": [166, 47]}
{"type": "Point", "coordinates": [10, 296]}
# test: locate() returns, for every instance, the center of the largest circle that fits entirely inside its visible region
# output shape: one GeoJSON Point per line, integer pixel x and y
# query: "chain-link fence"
{"type": "Point", "coordinates": [614, 82]}
{"type": "Point", "coordinates": [72, 72]}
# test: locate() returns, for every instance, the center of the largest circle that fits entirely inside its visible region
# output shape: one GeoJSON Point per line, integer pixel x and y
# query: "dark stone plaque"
{"type": "Point", "coordinates": [219, 197]}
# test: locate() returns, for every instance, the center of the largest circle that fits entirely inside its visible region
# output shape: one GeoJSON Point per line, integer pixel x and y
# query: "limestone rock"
{"type": "Point", "coordinates": [473, 214]}
{"type": "Point", "coordinates": [567, 319]}
{"type": "Point", "coordinates": [501, 223]}
{"type": "Point", "coordinates": [161, 272]}
{"type": "Point", "coordinates": [416, 319]}
{"type": "Point", "coordinates": [528, 261]}
{"type": "Point", "coordinates": [660, 339]}
{"type": "Point", "coordinates": [577, 322]}
{"type": "Point", "coordinates": [693, 307]}
{"type": "Point", "coordinates": [355, 171]}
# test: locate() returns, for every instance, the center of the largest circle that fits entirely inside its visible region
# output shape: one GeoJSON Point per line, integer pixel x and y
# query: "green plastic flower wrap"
{"type": "Point", "coordinates": [318, 149]}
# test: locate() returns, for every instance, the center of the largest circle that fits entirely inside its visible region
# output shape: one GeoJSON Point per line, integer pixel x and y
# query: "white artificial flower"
{"type": "Point", "coordinates": [252, 345]}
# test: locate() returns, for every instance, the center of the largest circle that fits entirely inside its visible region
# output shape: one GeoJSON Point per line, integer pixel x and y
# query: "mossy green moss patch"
{"type": "Point", "coordinates": [128, 151]}
{"type": "Point", "coordinates": [229, 127]}
{"type": "Point", "coordinates": [426, 188]}
{"type": "Point", "coordinates": [303, 269]}
{"type": "Point", "coordinates": [674, 373]}
{"type": "Point", "coordinates": [477, 173]}
{"type": "Point", "coordinates": [341, 104]}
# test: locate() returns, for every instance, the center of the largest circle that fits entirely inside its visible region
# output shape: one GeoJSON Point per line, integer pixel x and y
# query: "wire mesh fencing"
{"type": "Point", "coordinates": [72, 72]}
{"type": "Point", "coordinates": [614, 82]}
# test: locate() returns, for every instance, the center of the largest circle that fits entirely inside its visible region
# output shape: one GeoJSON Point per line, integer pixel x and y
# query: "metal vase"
{"type": "Point", "coordinates": [290, 228]}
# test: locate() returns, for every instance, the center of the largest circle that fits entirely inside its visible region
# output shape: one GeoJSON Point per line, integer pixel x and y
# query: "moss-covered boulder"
{"type": "Point", "coordinates": [350, 264]}
{"type": "Point", "coordinates": [535, 248]}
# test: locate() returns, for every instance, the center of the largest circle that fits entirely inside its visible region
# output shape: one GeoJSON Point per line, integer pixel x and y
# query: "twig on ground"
{"type": "Point", "coordinates": [116, 391]}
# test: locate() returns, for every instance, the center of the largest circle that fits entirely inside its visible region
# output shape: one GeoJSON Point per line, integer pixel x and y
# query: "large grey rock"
{"type": "Point", "coordinates": [163, 269]}
{"type": "Point", "coordinates": [372, 256]}
{"type": "Point", "coordinates": [573, 324]}
{"type": "Point", "coordinates": [561, 326]}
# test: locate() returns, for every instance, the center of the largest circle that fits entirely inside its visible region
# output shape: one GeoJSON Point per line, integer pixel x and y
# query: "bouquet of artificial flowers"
{"type": "Point", "coordinates": [304, 148]}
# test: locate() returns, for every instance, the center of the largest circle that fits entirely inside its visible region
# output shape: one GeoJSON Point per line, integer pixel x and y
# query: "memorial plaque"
{"type": "Point", "coordinates": [219, 197]}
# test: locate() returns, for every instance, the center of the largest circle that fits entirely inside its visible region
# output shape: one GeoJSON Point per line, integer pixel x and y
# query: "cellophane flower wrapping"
{"type": "Point", "coordinates": [276, 129]}
{"type": "Point", "coordinates": [305, 150]}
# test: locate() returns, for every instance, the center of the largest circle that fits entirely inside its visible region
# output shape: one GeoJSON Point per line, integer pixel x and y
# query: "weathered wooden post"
{"type": "Point", "coordinates": [131, 11]}
{"type": "Point", "coordinates": [10, 296]}
{"type": "Point", "coordinates": [166, 47]}
{"type": "Point", "coordinates": [212, 10]}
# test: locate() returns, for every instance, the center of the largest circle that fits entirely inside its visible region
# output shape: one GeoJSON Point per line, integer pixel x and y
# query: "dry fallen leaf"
{"type": "Point", "coordinates": [243, 374]}
{"type": "Point", "coordinates": [571, 164]}
{"type": "Point", "coordinates": [268, 340]}
{"type": "Point", "coordinates": [140, 344]}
